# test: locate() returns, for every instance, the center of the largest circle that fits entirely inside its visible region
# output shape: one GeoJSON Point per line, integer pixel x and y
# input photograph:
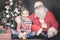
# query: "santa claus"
{"type": "Point", "coordinates": [43, 20]}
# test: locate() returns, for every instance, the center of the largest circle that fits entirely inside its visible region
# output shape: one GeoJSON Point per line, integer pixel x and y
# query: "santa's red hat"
{"type": "Point", "coordinates": [37, 29]}
{"type": "Point", "coordinates": [38, 3]}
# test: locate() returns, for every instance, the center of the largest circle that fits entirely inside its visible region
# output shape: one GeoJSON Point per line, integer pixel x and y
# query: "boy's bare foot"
{"type": "Point", "coordinates": [24, 38]}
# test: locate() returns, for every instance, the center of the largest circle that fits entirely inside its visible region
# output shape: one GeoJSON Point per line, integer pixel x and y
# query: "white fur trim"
{"type": "Point", "coordinates": [53, 30]}
{"type": "Point", "coordinates": [38, 4]}
{"type": "Point", "coordinates": [39, 31]}
{"type": "Point", "coordinates": [44, 25]}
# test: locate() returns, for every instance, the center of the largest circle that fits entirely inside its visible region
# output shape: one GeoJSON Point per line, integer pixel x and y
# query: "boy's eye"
{"type": "Point", "coordinates": [26, 13]}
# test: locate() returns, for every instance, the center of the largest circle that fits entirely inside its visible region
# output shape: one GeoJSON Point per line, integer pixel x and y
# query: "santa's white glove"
{"type": "Point", "coordinates": [20, 35]}
{"type": "Point", "coordinates": [51, 32]}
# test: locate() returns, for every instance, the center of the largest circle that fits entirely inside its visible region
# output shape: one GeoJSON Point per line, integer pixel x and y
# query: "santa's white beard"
{"type": "Point", "coordinates": [40, 13]}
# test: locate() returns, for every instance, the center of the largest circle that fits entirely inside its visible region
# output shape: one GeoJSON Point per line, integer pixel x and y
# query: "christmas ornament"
{"type": "Point", "coordinates": [7, 11]}
{"type": "Point", "coordinates": [12, 25]}
{"type": "Point", "coordinates": [7, 16]}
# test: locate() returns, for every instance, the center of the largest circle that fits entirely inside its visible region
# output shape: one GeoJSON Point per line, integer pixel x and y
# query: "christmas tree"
{"type": "Point", "coordinates": [12, 9]}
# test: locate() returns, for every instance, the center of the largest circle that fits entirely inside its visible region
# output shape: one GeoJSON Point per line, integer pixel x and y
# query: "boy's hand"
{"type": "Point", "coordinates": [20, 35]}
{"type": "Point", "coordinates": [24, 33]}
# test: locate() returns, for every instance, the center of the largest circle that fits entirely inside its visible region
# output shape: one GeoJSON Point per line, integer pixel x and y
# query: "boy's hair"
{"type": "Point", "coordinates": [24, 10]}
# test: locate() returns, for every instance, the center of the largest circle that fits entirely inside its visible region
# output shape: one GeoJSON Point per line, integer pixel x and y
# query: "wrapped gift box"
{"type": "Point", "coordinates": [5, 36]}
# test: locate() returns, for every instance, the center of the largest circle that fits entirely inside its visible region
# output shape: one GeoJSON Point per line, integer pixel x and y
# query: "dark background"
{"type": "Point", "coordinates": [52, 5]}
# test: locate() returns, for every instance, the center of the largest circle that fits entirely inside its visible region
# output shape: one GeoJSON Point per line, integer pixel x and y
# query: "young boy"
{"type": "Point", "coordinates": [24, 25]}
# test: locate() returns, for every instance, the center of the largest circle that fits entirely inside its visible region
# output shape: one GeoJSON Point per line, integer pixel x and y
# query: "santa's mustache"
{"type": "Point", "coordinates": [40, 13]}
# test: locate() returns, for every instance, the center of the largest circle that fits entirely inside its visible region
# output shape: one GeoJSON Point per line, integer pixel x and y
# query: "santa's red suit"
{"type": "Point", "coordinates": [49, 20]}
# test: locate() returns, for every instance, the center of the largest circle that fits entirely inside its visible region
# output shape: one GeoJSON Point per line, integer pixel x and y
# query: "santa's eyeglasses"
{"type": "Point", "coordinates": [38, 7]}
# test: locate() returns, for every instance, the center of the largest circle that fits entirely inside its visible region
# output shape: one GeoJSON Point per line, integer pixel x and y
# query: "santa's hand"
{"type": "Point", "coordinates": [50, 34]}
{"type": "Point", "coordinates": [20, 35]}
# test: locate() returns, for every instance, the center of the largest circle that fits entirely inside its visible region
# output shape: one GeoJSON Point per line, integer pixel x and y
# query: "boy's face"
{"type": "Point", "coordinates": [25, 13]}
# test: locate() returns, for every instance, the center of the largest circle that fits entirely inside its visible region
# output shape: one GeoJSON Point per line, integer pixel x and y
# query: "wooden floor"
{"type": "Point", "coordinates": [28, 39]}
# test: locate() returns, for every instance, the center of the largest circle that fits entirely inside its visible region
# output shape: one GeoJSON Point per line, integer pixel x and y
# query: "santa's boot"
{"type": "Point", "coordinates": [39, 31]}
{"type": "Point", "coordinates": [44, 35]}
